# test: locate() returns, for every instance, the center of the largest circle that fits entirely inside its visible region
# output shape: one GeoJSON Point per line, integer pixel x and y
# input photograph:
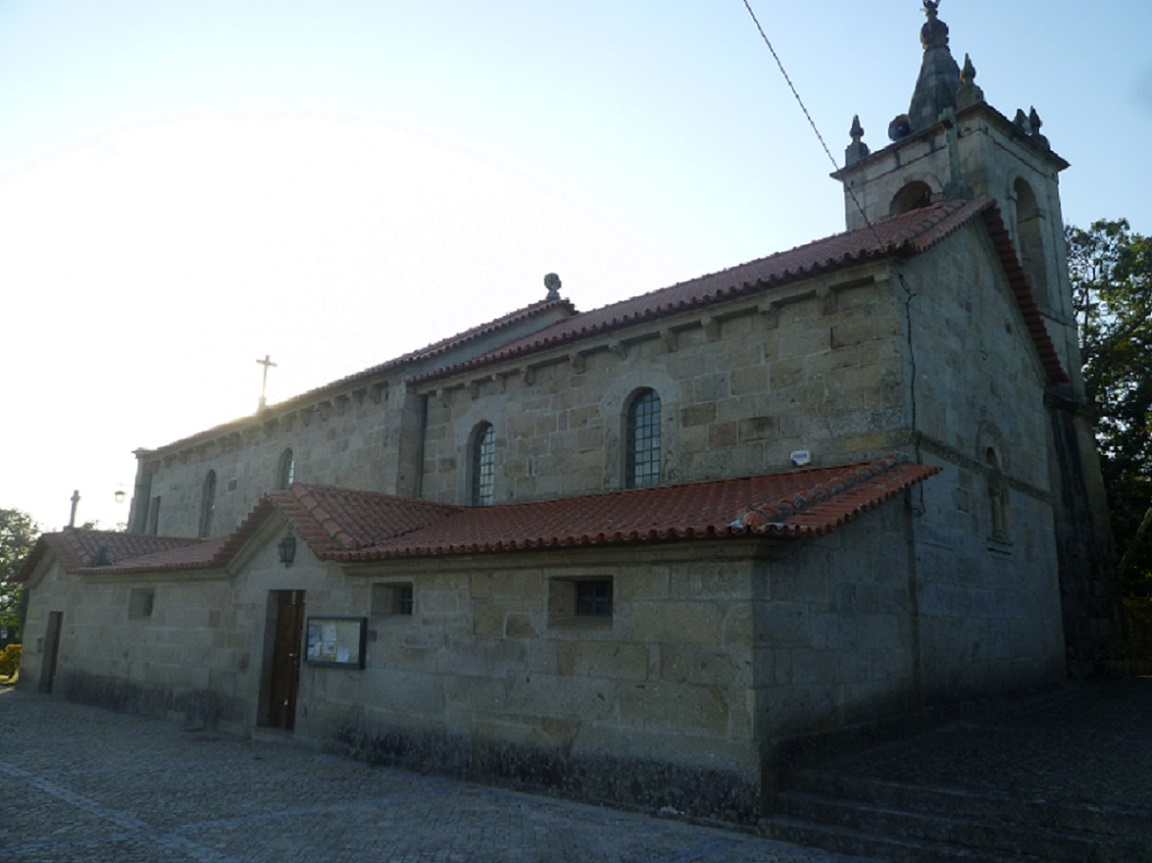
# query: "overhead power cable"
{"type": "Point", "coordinates": [811, 122]}
{"type": "Point", "coordinates": [909, 294]}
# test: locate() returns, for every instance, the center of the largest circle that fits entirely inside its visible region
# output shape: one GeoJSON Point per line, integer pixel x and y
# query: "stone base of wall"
{"type": "Point", "coordinates": [195, 709]}
{"type": "Point", "coordinates": [703, 793]}
{"type": "Point", "coordinates": [1138, 638]}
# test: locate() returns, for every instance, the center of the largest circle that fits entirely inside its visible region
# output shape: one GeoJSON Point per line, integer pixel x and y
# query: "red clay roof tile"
{"type": "Point", "coordinates": [796, 504]}
{"type": "Point", "coordinates": [904, 235]}
{"type": "Point", "coordinates": [78, 549]}
{"type": "Point", "coordinates": [347, 525]}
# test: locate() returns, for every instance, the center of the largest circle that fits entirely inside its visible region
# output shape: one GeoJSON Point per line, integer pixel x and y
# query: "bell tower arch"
{"type": "Point", "coordinates": [952, 144]}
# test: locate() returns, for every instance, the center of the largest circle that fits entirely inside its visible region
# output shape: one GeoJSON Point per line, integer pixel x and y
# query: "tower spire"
{"type": "Point", "coordinates": [939, 75]}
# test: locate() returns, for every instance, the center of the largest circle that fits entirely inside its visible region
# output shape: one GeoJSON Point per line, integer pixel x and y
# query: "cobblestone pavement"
{"type": "Point", "coordinates": [79, 784]}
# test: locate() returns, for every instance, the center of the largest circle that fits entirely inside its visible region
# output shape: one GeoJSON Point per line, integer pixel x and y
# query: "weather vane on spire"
{"type": "Point", "coordinates": [267, 363]}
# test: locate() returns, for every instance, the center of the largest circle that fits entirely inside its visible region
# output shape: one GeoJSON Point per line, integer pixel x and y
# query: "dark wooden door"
{"type": "Point", "coordinates": [51, 650]}
{"type": "Point", "coordinates": [285, 682]}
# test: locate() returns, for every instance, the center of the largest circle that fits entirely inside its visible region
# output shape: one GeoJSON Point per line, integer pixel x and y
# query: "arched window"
{"type": "Point", "coordinates": [482, 465]}
{"type": "Point", "coordinates": [207, 504]}
{"type": "Point", "coordinates": [997, 496]}
{"type": "Point", "coordinates": [286, 469]}
{"type": "Point", "coordinates": [642, 440]}
{"type": "Point", "coordinates": [1029, 225]}
{"type": "Point", "coordinates": [913, 196]}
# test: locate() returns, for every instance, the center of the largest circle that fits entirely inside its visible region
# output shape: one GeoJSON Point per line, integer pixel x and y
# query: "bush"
{"type": "Point", "coordinates": [9, 660]}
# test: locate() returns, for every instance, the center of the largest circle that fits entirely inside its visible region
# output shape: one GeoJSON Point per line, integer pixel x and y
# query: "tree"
{"type": "Point", "coordinates": [1111, 271]}
{"type": "Point", "coordinates": [18, 533]}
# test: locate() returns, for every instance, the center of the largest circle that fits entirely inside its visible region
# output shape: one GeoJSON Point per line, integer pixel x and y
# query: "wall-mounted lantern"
{"type": "Point", "coordinates": [287, 549]}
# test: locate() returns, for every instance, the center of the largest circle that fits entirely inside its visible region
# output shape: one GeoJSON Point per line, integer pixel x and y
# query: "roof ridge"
{"type": "Point", "coordinates": [896, 235]}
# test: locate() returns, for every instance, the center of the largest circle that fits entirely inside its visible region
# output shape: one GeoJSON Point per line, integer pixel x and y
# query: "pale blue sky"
{"type": "Point", "coordinates": [186, 186]}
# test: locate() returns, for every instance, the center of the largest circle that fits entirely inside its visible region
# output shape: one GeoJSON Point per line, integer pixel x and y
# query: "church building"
{"type": "Point", "coordinates": [630, 553]}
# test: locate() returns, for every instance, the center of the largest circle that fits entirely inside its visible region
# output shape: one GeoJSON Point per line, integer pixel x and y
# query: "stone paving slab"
{"type": "Point", "coordinates": [78, 784]}
{"type": "Point", "coordinates": [1087, 744]}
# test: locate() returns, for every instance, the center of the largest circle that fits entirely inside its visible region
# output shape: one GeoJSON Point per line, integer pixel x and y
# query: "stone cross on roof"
{"type": "Point", "coordinates": [268, 364]}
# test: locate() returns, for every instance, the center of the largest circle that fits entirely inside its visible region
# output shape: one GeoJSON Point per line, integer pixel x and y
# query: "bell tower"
{"type": "Point", "coordinates": [952, 144]}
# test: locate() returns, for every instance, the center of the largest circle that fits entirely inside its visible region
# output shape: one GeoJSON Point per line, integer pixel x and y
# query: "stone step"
{"type": "Point", "coordinates": [867, 845]}
{"type": "Point", "coordinates": [984, 834]}
{"type": "Point", "coordinates": [1128, 824]}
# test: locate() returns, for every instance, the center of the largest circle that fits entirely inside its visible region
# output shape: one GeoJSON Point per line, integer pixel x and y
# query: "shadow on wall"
{"type": "Point", "coordinates": [1138, 635]}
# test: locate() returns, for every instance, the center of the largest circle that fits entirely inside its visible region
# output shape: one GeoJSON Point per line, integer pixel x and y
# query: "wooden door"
{"type": "Point", "coordinates": [285, 680]}
{"type": "Point", "coordinates": [51, 650]}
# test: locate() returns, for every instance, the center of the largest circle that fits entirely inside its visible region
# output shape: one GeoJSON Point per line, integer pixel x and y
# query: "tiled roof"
{"type": "Point", "coordinates": [347, 525]}
{"type": "Point", "coordinates": [908, 234]}
{"type": "Point", "coordinates": [78, 549]}
{"type": "Point", "coordinates": [796, 504]}
{"type": "Point", "coordinates": [1025, 298]}
{"type": "Point", "coordinates": [331, 519]}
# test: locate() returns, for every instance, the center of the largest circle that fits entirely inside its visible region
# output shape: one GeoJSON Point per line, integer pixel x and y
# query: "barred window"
{"type": "Point", "coordinates": [580, 603]}
{"type": "Point", "coordinates": [643, 440]}
{"type": "Point", "coordinates": [394, 599]}
{"type": "Point", "coordinates": [286, 470]}
{"type": "Point", "coordinates": [594, 598]}
{"type": "Point", "coordinates": [483, 468]}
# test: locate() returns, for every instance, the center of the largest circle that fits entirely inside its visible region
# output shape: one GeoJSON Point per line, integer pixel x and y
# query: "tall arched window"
{"type": "Point", "coordinates": [286, 469]}
{"type": "Point", "coordinates": [642, 440]}
{"type": "Point", "coordinates": [1029, 228]}
{"type": "Point", "coordinates": [207, 504]}
{"type": "Point", "coordinates": [482, 465]}
{"type": "Point", "coordinates": [997, 496]}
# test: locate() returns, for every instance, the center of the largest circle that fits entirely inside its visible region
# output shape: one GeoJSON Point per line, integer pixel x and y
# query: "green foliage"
{"type": "Point", "coordinates": [18, 533]}
{"type": "Point", "coordinates": [1111, 271]}
{"type": "Point", "coordinates": [9, 660]}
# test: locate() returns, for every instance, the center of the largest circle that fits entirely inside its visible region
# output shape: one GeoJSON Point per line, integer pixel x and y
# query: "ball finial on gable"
{"type": "Point", "coordinates": [552, 283]}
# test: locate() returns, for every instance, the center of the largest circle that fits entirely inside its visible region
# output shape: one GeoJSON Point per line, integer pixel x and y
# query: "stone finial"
{"type": "Point", "coordinates": [857, 150]}
{"type": "Point", "coordinates": [969, 93]}
{"type": "Point", "coordinates": [968, 71]}
{"type": "Point", "coordinates": [552, 283]}
{"type": "Point", "coordinates": [934, 33]}
{"type": "Point", "coordinates": [1021, 122]}
{"type": "Point", "coordinates": [1035, 123]}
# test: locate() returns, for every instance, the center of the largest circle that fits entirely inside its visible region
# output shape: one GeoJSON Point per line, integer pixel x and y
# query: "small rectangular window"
{"type": "Point", "coordinates": [594, 598]}
{"type": "Point", "coordinates": [580, 602]}
{"type": "Point", "coordinates": [392, 599]}
{"type": "Point", "coordinates": [404, 599]}
{"type": "Point", "coordinates": [140, 602]}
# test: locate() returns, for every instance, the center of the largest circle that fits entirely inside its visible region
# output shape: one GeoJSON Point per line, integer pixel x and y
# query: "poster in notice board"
{"type": "Point", "coordinates": [337, 642]}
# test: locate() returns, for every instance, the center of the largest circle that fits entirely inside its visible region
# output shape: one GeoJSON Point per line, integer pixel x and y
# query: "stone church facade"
{"type": "Point", "coordinates": [630, 552]}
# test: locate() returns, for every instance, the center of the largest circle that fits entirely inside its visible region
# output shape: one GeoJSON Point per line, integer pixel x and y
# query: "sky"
{"type": "Point", "coordinates": [187, 187]}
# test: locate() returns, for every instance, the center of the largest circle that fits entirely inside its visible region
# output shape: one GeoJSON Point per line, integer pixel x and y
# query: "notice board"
{"type": "Point", "coordinates": [337, 642]}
